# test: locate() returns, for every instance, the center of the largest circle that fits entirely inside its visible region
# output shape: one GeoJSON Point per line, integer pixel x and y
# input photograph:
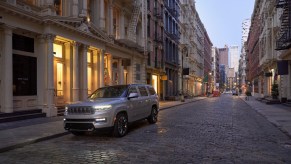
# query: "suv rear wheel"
{"type": "Point", "coordinates": [153, 118]}
{"type": "Point", "coordinates": [120, 125]}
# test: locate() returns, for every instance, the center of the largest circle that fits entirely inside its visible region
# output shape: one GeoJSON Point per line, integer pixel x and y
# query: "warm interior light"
{"type": "Point", "coordinates": [58, 50]}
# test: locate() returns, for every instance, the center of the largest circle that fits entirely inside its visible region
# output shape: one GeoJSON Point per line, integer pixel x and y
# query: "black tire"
{"type": "Point", "coordinates": [120, 125]}
{"type": "Point", "coordinates": [77, 133]}
{"type": "Point", "coordinates": [153, 118]}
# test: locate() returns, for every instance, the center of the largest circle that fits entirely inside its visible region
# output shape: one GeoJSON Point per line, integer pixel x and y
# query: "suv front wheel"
{"type": "Point", "coordinates": [153, 118]}
{"type": "Point", "coordinates": [120, 125]}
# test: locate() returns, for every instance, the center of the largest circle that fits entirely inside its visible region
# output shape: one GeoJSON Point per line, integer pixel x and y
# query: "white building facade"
{"type": "Point", "coordinates": [233, 57]}
{"type": "Point", "coordinates": [58, 52]}
{"type": "Point", "coordinates": [242, 61]}
{"type": "Point", "coordinates": [188, 49]}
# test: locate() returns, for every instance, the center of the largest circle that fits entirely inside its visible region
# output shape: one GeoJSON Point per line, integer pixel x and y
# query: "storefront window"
{"type": "Point", "coordinates": [155, 82]}
{"type": "Point", "coordinates": [24, 75]}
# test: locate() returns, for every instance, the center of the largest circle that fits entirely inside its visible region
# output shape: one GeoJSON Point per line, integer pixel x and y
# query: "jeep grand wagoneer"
{"type": "Point", "coordinates": [113, 106]}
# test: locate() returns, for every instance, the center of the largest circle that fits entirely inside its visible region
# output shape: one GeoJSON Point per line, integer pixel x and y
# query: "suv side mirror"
{"type": "Point", "coordinates": [132, 95]}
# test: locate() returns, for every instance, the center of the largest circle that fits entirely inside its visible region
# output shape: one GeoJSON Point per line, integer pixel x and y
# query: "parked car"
{"type": "Point", "coordinates": [112, 107]}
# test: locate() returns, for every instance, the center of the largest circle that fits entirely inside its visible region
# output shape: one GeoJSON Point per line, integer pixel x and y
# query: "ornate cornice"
{"type": "Point", "coordinates": [73, 24]}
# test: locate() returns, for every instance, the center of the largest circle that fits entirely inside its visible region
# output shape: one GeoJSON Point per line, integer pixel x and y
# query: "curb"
{"type": "Point", "coordinates": [277, 125]}
{"type": "Point", "coordinates": [181, 104]}
{"type": "Point", "coordinates": [8, 148]}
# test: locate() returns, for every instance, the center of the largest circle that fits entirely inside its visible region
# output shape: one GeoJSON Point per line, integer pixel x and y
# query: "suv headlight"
{"type": "Point", "coordinates": [66, 111]}
{"type": "Point", "coordinates": [102, 107]}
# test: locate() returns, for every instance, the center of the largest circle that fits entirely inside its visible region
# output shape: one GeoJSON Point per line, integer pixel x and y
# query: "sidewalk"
{"type": "Point", "coordinates": [20, 133]}
{"type": "Point", "coordinates": [277, 114]}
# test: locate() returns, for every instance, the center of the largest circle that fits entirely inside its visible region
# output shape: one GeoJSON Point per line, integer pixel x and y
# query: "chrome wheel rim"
{"type": "Point", "coordinates": [155, 114]}
{"type": "Point", "coordinates": [122, 125]}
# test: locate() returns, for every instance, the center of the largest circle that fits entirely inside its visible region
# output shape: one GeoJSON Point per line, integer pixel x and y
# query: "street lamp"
{"type": "Point", "coordinates": [184, 51]}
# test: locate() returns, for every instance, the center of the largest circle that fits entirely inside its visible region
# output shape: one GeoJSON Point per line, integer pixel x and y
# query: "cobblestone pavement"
{"type": "Point", "coordinates": [213, 130]}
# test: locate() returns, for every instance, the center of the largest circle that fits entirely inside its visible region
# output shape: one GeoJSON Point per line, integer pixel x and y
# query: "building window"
{"type": "Point", "coordinates": [137, 71]}
{"type": "Point", "coordinates": [149, 26]}
{"type": "Point", "coordinates": [58, 6]}
{"type": "Point", "coordinates": [24, 75]}
{"type": "Point", "coordinates": [22, 43]}
{"type": "Point", "coordinates": [149, 58]}
{"type": "Point", "coordinates": [31, 2]}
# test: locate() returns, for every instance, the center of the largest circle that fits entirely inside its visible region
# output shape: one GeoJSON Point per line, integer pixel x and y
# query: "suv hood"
{"type": "Point", "coordinates": [100, 101]}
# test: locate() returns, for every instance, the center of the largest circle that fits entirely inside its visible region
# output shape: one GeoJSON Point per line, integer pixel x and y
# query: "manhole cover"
{"type": "Point", "coordinates": [159, 130]}
{"type": "Point", "coordinates": [287, 145]}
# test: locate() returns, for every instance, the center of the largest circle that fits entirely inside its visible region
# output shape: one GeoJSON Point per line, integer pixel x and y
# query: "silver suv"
{"type": "Point", "coordinates": [113, 106]}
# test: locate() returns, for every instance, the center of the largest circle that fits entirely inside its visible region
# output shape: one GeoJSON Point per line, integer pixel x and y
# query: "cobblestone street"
{"type": "Point", "coordinates": [214, 130]}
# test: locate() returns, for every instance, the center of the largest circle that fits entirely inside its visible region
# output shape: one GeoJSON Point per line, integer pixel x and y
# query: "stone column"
{"type": "Point", "coordinates": [101, 60]}
{"type": "Point", "coordinates": [49, 2]}
{"type": "Point", "coordinates": [75, 68]}
{"type": "Point", "coordinates": [68, 70]}
{"type": "Point", "coordinates": [48, 7]}
{"type": "Point", "coordinates": [41, 64]}
{"type": "Point", "coordinates": [111, 32]}
{"type": "Point", "coordinates": [102, 15]}
{"type": "Point", "coordinates": [121, 24]}
{"type": "Point", "coordinates": [109, 58]}
{"type": "Point", "coordinates": [84, 9]}
{"type": "Point", "coordinates": [7, 74]}
{"type": "Point", "coordinates": [75, 8]}
{"type": "Point", "coordinates": [121, 72]}
{"type": "Point", "coordinates": [84, 69]}
{"type": "Point", "coordinates": [50, 91]}
{"type": "Point", "coordinates": [11, 1]}
{"type": "Point", "coordinates": [96, 73]}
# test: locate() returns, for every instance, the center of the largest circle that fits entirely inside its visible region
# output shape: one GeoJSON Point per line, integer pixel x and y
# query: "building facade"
{"type": "Point", "coordinates": [171, 53]}
{"type": "Point", "coordinates": [215, 68]}
{"type": "Point", "coordinates": [155, 69]}
{"type": "Point", "coordinates": [233, 57]}
{"type": "Point", "coordinates": [253, 70]}
{"type": "Point", "coordinates": [267, 50]}
{"type": "Point", "coordinates": [242, 60]}
{"type": "Point", "coordinates": [58, 52]}
{"type": "Point", "coordinates": [223, 62]}
{"type": "Point", "coordinates": [283, 47]}
{"type": "Point", "coordinates": [208, 76]}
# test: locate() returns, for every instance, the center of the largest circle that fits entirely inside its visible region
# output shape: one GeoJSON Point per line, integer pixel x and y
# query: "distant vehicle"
{"type": "Point", "coordinates": [113, 107]}
{"type": "Point", "coordinates": [235, 92]}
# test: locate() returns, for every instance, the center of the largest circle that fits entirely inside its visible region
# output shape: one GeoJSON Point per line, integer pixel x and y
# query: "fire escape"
{"type": "Point", "coordinates": [284, 40]}
{"type": "Point", "coordinates": [131, 31]}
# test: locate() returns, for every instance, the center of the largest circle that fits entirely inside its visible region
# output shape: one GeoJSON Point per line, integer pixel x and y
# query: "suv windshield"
{"type": "Point", "coordinates": [110, 92]}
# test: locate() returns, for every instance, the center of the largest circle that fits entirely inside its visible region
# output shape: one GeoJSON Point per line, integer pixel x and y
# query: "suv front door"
{"type": "Point", "coordinates": [144, 101]}
{"type": "Point", "coordinates": [134, 105]}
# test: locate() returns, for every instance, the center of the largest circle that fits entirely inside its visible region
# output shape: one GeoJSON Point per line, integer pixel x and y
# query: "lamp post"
{"type": "Point", "coordinates": [184, 51]}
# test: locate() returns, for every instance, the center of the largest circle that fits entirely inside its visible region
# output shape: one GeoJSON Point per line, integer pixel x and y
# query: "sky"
{"type": "Point", "coordinates": [223, 19]}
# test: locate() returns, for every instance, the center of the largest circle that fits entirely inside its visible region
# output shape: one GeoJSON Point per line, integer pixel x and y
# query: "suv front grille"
{"type": "Point", "coordinates": [81, 110]}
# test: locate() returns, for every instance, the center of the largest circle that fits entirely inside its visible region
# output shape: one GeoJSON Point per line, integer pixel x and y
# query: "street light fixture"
{"type": "Point", "coordinates": [184, 51]}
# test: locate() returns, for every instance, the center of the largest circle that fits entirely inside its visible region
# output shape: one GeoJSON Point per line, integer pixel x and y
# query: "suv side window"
{"type": "Point", "coordinates": [143, 91]}
{"type": "Point", "coordinates": [132, 90]}
{"type": "Point", "coordinates": [151, 90]}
